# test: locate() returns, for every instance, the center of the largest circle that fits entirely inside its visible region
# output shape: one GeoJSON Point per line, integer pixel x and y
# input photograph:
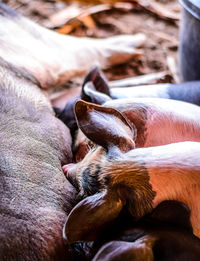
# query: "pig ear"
{"type": "Point", "coordinates": [173, 212]}
{"type": "Point", "coordinates": [88, 218]}
{"type": "Point", "coordinates": [95, 87]}
{"type": "Point", "coordinates": [105, 126]}
{"type": "Point", "coordinates": [91, 95]}
{"type": "Point", "coordinates": [139, 250]}
{"type": "Point", "coordinates": [97, 77]}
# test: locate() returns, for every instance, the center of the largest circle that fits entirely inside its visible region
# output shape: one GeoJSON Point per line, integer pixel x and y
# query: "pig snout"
{"type": "Point", "coordinates": [68, 170]}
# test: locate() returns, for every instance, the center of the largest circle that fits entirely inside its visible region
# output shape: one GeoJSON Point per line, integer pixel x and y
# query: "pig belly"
{"type": "Point", "coordinates": [35, 197]}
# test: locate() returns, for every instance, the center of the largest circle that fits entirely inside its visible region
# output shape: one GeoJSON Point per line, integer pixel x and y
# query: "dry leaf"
{"type": "Point", "coordinates": [138, 80]}
{"type": "Point", "coordinates": [94, 2]}
{"type": "Point", "coordinates": [83, 16]}
{"type": "Point", "coordinates": [66, 29]}
{"type": "Point", "coordinates": [173, 68]}
{"type": "Point", "coordinates": [88, 21]}
{"type": "Point", "coordinates": [158, 9]}
{"type": "Point", "coordinates": [75, 11]}
{"type": "Point", "coordinates": [63, 16]}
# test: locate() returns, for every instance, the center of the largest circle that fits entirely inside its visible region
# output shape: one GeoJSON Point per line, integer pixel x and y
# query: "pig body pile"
{"type": "Point", "coordinates": [35, 196]}
{"type": "Point", "coordinates": [117, 177]}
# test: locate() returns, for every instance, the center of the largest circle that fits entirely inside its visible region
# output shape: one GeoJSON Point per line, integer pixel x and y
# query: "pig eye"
{"type": "Point", "coordinates": [90, 144]}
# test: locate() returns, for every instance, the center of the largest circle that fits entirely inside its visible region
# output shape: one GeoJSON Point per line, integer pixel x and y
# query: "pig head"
{"type": "Point", "coordinates": [35, 196]}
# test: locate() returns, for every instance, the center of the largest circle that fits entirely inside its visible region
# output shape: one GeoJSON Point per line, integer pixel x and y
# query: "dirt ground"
{"type": "Point", "coordinates": [160, 50]}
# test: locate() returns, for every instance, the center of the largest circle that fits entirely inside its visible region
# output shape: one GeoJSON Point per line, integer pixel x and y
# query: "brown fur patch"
{"type": "Point", "coordinates": [130, 180]}
{"type": "Point", "coordinates": [87, 172]}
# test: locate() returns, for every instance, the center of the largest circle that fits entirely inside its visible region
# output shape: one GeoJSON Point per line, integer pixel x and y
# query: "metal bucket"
{"type": "Point", "coordinates": [189, 46]}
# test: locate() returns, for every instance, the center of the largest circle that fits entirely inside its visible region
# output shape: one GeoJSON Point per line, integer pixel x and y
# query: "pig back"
{"type": "Point", "coordinates": [35, 197]}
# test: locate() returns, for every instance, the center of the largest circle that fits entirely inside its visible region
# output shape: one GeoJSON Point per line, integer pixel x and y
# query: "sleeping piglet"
{"type": "Point", "coordinates": [54, 58]}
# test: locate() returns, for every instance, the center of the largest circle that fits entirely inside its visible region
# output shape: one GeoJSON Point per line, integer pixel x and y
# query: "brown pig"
{"type": "Point", "coordinates": [153, 121]}
{"type": "Point", "coordinates": [35, 195]}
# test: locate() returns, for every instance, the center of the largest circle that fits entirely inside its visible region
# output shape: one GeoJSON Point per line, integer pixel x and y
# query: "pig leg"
{"type": "Point", "coordinates": [53, 58]}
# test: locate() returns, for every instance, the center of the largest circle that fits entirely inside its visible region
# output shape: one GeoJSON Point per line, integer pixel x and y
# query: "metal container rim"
{"type": "Point", "coordinates": [192, 6]}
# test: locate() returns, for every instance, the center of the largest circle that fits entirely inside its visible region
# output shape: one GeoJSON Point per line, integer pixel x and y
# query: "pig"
{"type": "Point", "coordinates": [185, 91]}
{"type": "Point", "coordinates": [35, 195]}
{"type": "Point", "coordinates": [53, 58]}
{"type": "Point", "coordinates": [95, 89]}
{"type": "Point", "coordinates": [115, 175]}
{"type": "Point", "coordinates": [115, 178]}
{"type": "Point", "coordinates": [152, 121]}
{"type": "Point", "coordinates": [164, 234]}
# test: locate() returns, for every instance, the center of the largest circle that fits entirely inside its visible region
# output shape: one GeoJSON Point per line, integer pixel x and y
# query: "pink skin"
{"type": "Point", "coordinates": [67, 169]}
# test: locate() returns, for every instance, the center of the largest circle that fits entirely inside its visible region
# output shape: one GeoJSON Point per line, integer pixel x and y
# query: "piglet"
{"type": "Point", "coordinates": [152, 121]}
{"type": "Point", "coordinates": [186, 91]}
{"type": "Point", "coordinates": [96, 89]}
{"type": "Point", "coordinates": [114, 177]}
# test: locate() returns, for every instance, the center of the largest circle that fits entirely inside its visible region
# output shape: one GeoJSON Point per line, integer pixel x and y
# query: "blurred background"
{"type": "Point", "coordinates": [157, 19]}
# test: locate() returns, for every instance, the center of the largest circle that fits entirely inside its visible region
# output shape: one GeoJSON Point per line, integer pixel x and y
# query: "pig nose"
{"type": "Point", "coordinates": [70, 174]}
{"type": "Point", "coordinates": [67, 169]}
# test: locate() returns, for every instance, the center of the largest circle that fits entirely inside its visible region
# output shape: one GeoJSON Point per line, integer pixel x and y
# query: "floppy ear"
{"type": "Point", "coordinates": [91, 95]}
{"type": "Point", "coordinates": [173, 212]}
{"type": "Point", "coordinates": [97, 77]}
{"type": "Point", "coordinates": [105, 126]}
{"type": "Point", "coordinates": [140, 250]}
{"type": "Point", "coordinates": [88, 218]}
{"type": "Point", "coordinates": [95, 87]}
